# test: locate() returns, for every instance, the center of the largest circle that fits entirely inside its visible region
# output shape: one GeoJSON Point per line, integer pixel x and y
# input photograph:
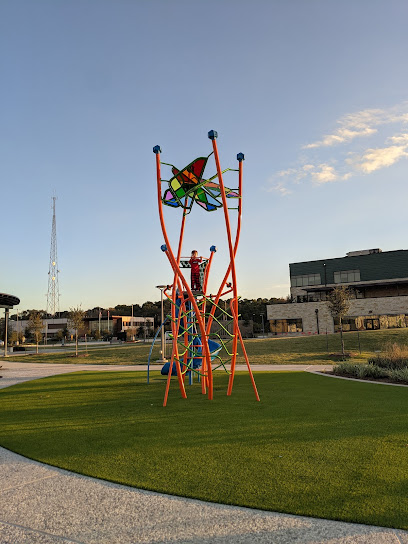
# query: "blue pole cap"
{"type": "Point", "coordinates": [213, 249]}
{"type": "Point", "coordinates": [156, 149]}
{"type": "Point", "coordinates": [240, 157]}
{"type": "Point", "coordinates": [213, 134]}
{"type": "Point", "coordinates": [163, 247]}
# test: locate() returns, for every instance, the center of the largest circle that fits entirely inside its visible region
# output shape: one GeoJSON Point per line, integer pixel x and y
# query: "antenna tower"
{"type": "Point", "coordinates": [53, 287]}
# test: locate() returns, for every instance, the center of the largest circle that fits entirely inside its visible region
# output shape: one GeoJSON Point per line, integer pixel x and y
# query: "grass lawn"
{"type": "Point", "coordinates": [313, 446]}
{"type": "Point", "coordinates": [286, 350]}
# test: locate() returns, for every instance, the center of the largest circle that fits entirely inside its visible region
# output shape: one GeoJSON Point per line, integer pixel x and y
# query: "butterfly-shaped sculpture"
{"type": "Point", "coordinates": [188, 186]}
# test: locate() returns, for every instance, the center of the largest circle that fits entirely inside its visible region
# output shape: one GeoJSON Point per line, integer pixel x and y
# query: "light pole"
{"type": "Point", "coordinates": [17, 341]}
{"type": "Point", "coordinates": [163, 343]}
{"type": "Point", "coordinates": [6, 316]}
{"type": "Point", "coordinates": [132, 325]}
{"type": "Point", "coordinates": [263, 326]}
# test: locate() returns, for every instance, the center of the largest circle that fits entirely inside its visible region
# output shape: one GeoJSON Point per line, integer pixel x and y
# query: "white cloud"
{"type": "Point", "coordinates": [383, 149]}
{"type": "Point", "coordinates": [374, 159]}
{"type": "Point", "coordinates": [288, 172]}
{"type": "Point", "coordinates": [324, 174]}
{"type": "Point", "coordinates": [400, 139]}
{"type": "Point", "coordinates": [362, 123]}
{"type": "Point", "coordinates": [282, 189]}
{"type": "Point", "coordinates": [340, 136]}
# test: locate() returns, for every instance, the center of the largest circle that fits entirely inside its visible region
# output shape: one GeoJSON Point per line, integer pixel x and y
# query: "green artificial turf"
{"type": "Point", "coordinates": [307, 350]}
{"type": "Point", "coordinates": [313, 446]}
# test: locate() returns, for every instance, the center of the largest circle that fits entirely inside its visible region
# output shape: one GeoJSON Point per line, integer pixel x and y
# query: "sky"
{"type": "Point", "coordinates": [313, 92]}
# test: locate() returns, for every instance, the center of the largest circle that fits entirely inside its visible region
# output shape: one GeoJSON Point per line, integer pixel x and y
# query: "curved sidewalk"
{"type": "Point", "coordinates": [41, 504]}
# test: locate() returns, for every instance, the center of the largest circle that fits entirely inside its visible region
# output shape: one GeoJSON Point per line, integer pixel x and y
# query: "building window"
{"type": "Point", "coordinates": [346, 276]}
{"type": "Point", "coordinates": [372, 322]}
{"type": "Point", "coordinates": [305, 280]}
{"type": "Point", "coordinates": [318, 296]}
{"type": "Point", "coordinates": [281, 326]}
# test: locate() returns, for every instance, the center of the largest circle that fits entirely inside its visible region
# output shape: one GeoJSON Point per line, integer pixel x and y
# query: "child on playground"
{"type": "Point", "coordinates": [195, 271]}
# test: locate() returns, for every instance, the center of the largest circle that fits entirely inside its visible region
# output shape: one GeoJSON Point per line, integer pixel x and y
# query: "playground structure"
{"type": "Point", "coordinates": [200, 334]}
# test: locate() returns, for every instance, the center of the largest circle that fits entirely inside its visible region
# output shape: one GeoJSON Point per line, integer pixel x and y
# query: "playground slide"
{"type": "Point", "coordinates": [215, 348]}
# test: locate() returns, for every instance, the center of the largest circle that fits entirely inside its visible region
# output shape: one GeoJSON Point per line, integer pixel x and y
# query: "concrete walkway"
{"type": "Point", "coordinates": [45, 505]}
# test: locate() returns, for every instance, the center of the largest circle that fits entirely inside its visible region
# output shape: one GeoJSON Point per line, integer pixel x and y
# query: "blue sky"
{"type": "Point", "coordinates": [313, 92]}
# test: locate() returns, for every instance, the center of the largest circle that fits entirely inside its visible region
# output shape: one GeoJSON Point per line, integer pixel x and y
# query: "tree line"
{"type": "Point", "coordinates": [249, 310]}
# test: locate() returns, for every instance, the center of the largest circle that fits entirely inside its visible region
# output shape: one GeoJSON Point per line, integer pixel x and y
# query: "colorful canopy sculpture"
{"type": "Point", "coordinates": [188, 186]}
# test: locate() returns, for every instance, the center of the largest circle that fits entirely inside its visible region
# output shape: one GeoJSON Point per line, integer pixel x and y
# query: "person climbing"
{"type": "Point", "coordinates": [195, 271]}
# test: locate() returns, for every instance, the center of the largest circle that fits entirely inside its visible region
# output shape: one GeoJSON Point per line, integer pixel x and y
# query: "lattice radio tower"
{"type": "Point", "coordinates": [53, 287]}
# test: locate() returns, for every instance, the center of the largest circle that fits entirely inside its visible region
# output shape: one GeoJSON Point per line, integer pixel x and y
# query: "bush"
{"type": "Point", "coordinates": [393, 357]}
{"type": "Point", "coordinates": [360, 371]}
{"type": "Point", "coordinates": [347, 369]}
{"type": "Point", "coordinates": [399, 375]}
{"type": "Point", "coordinates": [371, 371]}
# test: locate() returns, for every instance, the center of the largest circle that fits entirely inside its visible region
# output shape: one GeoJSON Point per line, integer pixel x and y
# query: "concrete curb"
{"type": "Point", "coordinates": [355, 379]}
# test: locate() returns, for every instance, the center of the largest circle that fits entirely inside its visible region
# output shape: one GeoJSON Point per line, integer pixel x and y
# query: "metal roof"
{"type": "Point", "coordinates": [387, 265]}
{"type": "Point", "coordinates": [8, 301]}
{"type": "Point", "coordinates": [357, 284]}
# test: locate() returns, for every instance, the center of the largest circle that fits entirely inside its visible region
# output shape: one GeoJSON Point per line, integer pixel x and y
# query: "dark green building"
{"type": "Point", "coordinates": [377, 280]}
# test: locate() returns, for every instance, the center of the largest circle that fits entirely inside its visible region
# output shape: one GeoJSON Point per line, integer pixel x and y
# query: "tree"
{"type": "Point", "coordinates": [76, 319]}
{"type": "Point", "coordinates": [65, 333]}
{"type": "Point", "coordinates": [36, 326]}
{"type": "Point", "coordinates": [15, 337]}
{"type": "Point", "coordinates": [131, 331]}
{"type": "Point", "coordinates": [339, 304]}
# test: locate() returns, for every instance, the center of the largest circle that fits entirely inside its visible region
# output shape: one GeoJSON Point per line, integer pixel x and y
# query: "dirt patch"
{"type": "Point", "coordinates": [340, 356]}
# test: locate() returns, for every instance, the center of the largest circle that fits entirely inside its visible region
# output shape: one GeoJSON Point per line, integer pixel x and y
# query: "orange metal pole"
{"type": "Point", "coordinates": [240, 158]}
{"type": "Point", "coordinates": [200, 325]}
{"type": "Point", "coordinates": [176, 268]}
{"type": "Point", "coordinates": [212, 135]}
{"type": "Point", "coordinates": [246, 359]}
{"type": "Point", "coordinates": [166, 238]}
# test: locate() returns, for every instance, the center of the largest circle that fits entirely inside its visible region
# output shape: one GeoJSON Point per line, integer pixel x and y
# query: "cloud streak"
{"type": "Point", "coordinates": [387, 126]}
{"type": "Point", "coordinates": [374, 159]}
{"type": "Point", "coordinates": [361, 124]}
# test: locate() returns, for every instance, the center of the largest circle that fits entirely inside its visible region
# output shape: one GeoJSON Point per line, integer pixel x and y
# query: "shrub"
{"type": "Point", "coordinates": [393, 357]}
{"type": "Point", "coordinates": [346, 369]}
{"type": "Point", "coordinates": [372, 371]}
{"type": "Point", "coordinates": [399, 375]}
{"type": "Point", "coordinates": [360, 371]}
